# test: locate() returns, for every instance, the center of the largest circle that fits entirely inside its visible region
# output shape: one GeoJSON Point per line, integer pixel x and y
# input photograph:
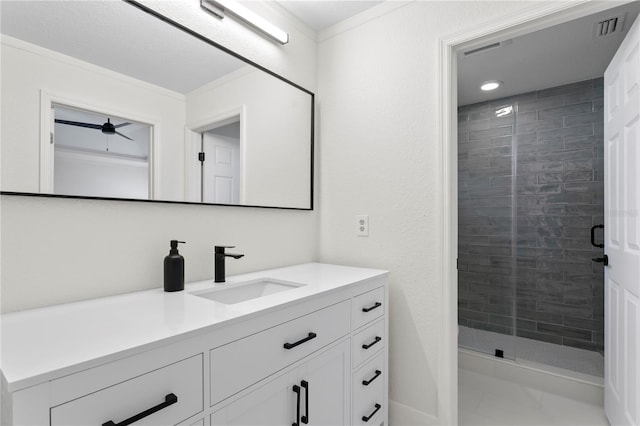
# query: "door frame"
{"type": "Point", "coordinates": [513, 25]}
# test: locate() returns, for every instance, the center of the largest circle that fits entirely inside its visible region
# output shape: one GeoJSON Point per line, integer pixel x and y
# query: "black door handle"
{"type": "Point", "coordinates": [169, 399]}
{"type": "Point", "coordinates": [375, 376]}
{"type": "Point", "coordinates": [593, 236]}
{"type": "Point", "coordinates": [367, 346]}
{"type": "Point", "coordinates": [305, 386]}
{"type": "Point", "coordinates": [296, 389]}
{"type": "Point", "coordinates": [301, 341]}
{"type": "Point", "coordinates": [604, 260]}
{"type": "Point", "coordinates": [367, 418]}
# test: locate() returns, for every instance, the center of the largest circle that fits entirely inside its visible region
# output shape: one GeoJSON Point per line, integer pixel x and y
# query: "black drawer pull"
{"type": "Point", "coordinates": [367, 418]}
{"type": "Point", "coordinates": [299, 342]}
{"type": "Point", "coordinates": [371, 308]}
{"type": "Point", "coordinates": [378, 338]}
{"type": "Point", "coordinates": [305, 386]}
{"type": "Point", "coordinates": [170, 399]}
{"type": "Point", "coordinates": [368, 382]}
{"type": "Point", "coordinates": [296, 389]}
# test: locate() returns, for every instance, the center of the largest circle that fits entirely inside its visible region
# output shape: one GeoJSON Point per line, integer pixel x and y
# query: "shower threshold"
{"type": "Point", "coordinates": [541, 353]}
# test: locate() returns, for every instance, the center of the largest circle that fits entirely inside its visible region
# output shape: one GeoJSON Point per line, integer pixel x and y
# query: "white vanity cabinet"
{"type": "Point", "coordinates": [316, 357]}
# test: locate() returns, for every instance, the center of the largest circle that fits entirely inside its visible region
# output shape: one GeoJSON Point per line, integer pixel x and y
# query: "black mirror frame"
{"type": "Point", "coordinates": [238, 56]}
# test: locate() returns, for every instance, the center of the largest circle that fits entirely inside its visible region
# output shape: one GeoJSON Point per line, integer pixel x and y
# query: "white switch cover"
{"type": "Point", "coordinates": [362, 222]}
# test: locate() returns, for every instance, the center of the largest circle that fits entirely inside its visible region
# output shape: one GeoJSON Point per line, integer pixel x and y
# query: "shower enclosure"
{"type": "Point", "coordinates": [530, 179]}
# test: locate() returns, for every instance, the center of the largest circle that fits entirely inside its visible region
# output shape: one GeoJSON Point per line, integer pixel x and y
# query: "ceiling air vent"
{"type": "Point", "coordinates": [487, 47]}
{"type": "Point", "coordinates": [608, 26]}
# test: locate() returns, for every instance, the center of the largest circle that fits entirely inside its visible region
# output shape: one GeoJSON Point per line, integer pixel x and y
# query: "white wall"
{"type": "Point", "coordinates": [60, 250]}
{"type": "Point", "coordinates": [378, 91]}
{"type": "Point", "coordinates": [100, 175]}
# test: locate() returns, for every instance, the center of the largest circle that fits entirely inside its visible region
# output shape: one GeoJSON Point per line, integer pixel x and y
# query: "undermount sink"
{"type": "Point", "coordinates": [236, 293]}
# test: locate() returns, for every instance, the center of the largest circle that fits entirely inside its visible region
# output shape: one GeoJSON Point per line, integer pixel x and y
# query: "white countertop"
{"type": "Point", "coordinates": [41, 344]}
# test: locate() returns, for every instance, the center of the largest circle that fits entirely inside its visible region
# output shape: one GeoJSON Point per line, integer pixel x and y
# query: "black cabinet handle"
{"type": "Point", "coordinates": [299, 342]}
{"type": "Point", "coordinates": [593, 236]}
{"type": "Point", "coordinates": [367, 418]}
{"type": "Point", "coordinates": [305, 386]}
{"type": "Point", "coordinates": [170, 399]}
{"type": "Point", "coordinates": [371, 308]}
{"type": "Point", "coordinates": [368, 382]}
{"type": "Point", "coordinates": [604, 260]}
{"type": "Point", "coordinates": [378, 338]}
{"type": "Point", "coordinates": [296, 389]}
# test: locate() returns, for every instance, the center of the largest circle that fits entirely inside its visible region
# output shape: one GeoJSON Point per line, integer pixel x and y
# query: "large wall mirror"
{"type": "Point", "coordinates": [108, 99]}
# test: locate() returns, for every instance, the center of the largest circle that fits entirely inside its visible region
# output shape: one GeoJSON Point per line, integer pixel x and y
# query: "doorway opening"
{"type": "Point", "coordinates": [99, 155]}
{"type": "Point", "coordinates": [531, 193]}
{"type": "Point", "coordinates": [524, 23]}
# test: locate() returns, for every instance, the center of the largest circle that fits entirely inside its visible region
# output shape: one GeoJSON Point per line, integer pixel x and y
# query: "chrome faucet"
{"type": "Point", "coordinates": [219, 262]}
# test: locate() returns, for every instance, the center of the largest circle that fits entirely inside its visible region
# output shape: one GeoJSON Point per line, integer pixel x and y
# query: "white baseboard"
{"type": "Point", "coordinates": [403, 415]}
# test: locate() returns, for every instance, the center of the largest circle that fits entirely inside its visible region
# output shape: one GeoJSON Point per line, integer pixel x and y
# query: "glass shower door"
{"type": "Point", "coordinates": [486, 221]}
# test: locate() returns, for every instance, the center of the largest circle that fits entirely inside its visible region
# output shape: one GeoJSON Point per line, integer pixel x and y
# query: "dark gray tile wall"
{"type": "Point", "coordinates": [530, 188]}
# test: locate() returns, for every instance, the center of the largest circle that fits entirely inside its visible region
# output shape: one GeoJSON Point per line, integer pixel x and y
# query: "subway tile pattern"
{"type": "Point", "coordinates": [530, 188]}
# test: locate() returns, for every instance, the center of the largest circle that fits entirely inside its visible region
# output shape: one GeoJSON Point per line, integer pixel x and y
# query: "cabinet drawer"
{"type": "Point", "coordinates": [368, 342]}
{"type": "Point", "coordinates": [368, 390]}
{"type": "Point", "coordinates": [128, 399]}
{"type": "Point", "coordinates": [239, 364]}
{"type": "Point", "coordinates": [367, 307]}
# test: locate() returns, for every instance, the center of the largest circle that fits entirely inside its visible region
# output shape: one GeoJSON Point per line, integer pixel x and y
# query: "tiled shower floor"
{"type": "Point", "coordinates": [566, 357]}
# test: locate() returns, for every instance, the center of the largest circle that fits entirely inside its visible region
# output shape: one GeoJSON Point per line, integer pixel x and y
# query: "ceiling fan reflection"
{"type": "Point", "coordinates": [107, 128]}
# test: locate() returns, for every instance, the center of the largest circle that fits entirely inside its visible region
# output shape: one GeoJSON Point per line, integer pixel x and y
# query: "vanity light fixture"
{"type": "Point", "coordinates": [490, 85]}
{"type": "Point", "coordinates": [220, 7]}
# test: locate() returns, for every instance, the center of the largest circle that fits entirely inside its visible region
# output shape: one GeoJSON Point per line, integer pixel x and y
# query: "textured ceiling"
{"type": "Point", "coordinates": [319, 15]}
{"type": "Point", "coordinates": [108, 34]}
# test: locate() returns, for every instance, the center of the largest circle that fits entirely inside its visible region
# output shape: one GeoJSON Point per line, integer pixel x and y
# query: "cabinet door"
{"type": "Point", "coordinates": [326, 389]}
{"type": "Point", "coordinates": [272, 404]}
{"type": "Point", "coordinates": [324, 385]}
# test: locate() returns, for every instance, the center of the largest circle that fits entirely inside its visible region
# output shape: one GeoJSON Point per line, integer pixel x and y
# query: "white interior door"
{"type": "Point", "coordinates": [221, 169]}
{"type": "Point", "coordinates": [622, 233]}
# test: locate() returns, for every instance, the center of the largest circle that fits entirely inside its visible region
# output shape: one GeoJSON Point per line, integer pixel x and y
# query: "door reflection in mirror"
{"type": "Point", "coordinates": [221, 164]}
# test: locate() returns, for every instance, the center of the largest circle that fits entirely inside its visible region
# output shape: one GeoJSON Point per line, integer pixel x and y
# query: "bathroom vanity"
{"type": "Point", "coordinates": [301, 345]}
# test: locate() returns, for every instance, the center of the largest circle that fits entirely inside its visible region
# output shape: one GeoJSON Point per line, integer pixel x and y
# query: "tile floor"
{"type": "Point", "coordinates": [485, 400]}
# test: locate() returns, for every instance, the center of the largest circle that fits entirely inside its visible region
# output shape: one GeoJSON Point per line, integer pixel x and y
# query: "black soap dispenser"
{"type": "Point", "coordinates": [174, 269]}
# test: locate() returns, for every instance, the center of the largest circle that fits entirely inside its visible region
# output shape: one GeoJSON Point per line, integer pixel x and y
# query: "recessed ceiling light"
{"type": "Point", "coordinates": [490, 85]}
